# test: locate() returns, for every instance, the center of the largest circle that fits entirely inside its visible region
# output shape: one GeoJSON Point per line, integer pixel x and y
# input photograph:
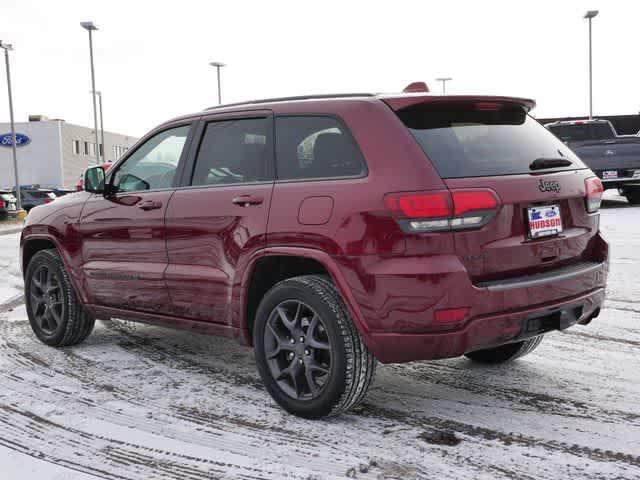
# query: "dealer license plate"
{"type": "Point", "coordinates": [609, 174]}
{"type": "Point", "coordinates": [544, 221]}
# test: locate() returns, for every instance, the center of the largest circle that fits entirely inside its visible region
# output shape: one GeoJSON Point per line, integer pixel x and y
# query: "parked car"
{"type": "Point", "coordinates": [614, 159]}
{"type": "Point", "coordinates": [60, 192]}
{"type": "Point", "coordinates": [329, 233]}
{"type": "Point", "coordinates": [33, 195]}
{"type": "Point", "coordinates": [80, 182]}
{"type": "Point", "coordinates": [7, 204]}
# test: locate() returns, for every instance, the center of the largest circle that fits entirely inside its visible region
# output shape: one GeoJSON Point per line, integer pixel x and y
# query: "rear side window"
{"type": "Point", "coordinates": [234, 151]}
{"type": "Point", "coordinates": [309, 147]}
{"type": "Point", "coordinates": [477, 140]}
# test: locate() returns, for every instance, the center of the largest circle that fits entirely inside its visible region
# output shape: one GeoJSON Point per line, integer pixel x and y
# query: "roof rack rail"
{"type": "Point", "coordinates": [301, 97]}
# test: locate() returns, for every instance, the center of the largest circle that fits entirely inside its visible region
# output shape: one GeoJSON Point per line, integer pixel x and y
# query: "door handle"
{"type": "Point", "coordinates": [247, 200]}
{"type": "Point", "coordinates": [150, 205]}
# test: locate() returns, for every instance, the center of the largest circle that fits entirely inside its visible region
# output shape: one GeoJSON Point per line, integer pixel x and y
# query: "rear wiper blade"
{"type": "Point", "coordinates": [549, 162]}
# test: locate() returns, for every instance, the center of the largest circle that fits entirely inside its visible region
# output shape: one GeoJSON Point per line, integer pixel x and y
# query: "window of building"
{"type": "Point", "coordinates": [102, 150]}
{"type": "Point", "coordinates": [234, 151]}
{"type": "Point", "coordinates": [153, 165]}
{"type": "Point", "coordinates": [86, 148]}
{"type": "Point", "coordinates": [310, 147]}
{"type": "Point", "coordinates": [76, 147]}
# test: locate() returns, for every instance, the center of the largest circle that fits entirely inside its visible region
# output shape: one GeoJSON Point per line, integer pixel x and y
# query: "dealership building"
{"type": "Point", "coordinates": [54, 153]}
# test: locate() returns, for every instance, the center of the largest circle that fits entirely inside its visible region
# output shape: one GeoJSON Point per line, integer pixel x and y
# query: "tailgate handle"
{"type": "Point", "coordinates": [247, 200]}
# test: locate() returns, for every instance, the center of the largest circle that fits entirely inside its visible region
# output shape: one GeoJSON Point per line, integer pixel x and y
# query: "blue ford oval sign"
{"type": "Point", "coordinates": [21, 140]}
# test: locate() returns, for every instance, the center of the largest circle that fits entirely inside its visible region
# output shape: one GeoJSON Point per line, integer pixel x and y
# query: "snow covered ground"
{"type": "Point", "coordinates": [142, 402]}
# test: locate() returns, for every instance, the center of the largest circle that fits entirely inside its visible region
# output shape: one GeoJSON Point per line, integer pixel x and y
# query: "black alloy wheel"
{"type": "Point", "coordinates": [298, 349]}
{"type": "Point", "coordinates": [46, 300]}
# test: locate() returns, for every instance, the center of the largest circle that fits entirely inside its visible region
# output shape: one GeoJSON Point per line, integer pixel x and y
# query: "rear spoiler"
{"type": "Point", "coordinates": [399, 102]}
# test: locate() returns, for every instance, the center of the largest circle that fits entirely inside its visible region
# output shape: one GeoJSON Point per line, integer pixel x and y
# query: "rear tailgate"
{"type": "Point", "coordinates": [504, 248]}
{"type": "Point", "coordinates": [491, 144]}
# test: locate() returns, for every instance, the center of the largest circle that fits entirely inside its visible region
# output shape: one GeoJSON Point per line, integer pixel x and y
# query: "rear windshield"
{"type": "Point", "coordinates": [477, 140]}
{"type": "Point", "coordinates": [582, 132]}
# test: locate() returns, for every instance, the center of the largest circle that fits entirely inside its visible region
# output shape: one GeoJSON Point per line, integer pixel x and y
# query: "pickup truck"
{"type": "Point", "coordinates": [613, 158]}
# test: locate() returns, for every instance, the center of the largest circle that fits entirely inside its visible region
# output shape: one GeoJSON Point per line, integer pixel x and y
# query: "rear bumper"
{"type": "Point", "coordinates": [487, 331]}
{"type": "Point", "coordinates": [397, 299]}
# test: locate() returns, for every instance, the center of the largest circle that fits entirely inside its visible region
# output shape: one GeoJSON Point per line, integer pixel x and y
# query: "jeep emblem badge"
{"type": "Point", "coordinates": [549, 186]}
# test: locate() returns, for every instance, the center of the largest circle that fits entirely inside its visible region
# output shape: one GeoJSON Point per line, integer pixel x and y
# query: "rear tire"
{"type": "Point", "coordinates": [308, 352]}
{"type": "Point", "coordinates": [56, 315]}
{"type": "Point", "coordinates": [633, 195]}
{"type": "Point", "coordinates": [505, 353]}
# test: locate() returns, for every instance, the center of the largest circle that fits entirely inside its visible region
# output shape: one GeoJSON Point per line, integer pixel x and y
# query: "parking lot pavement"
{"type": "Point", "coordinates": [142, 402]}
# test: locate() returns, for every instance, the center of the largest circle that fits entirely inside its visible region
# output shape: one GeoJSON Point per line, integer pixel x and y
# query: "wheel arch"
{"type": "Point", "coordinates": [290, 262]}
{"type": "Point", "coordinates": [33, 243]}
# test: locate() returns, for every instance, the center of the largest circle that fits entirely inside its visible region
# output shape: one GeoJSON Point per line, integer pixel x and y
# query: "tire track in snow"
{"type": "Point", "coordinates": [152, 352]}
{"type": "Point", "coordinates": [458, 378]}
{"type": "Point", "coordinates": [539, 402]}
{"type": "Point", "coordinates": [506, 438]}
{"type": "Point", "coordinates": [239, 435]}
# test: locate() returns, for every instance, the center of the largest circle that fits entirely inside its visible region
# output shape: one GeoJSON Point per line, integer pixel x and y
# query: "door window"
{"type": "Point", "coordinates": [234, 152]}
{"type": "Point", "coordinates": [153, 165]}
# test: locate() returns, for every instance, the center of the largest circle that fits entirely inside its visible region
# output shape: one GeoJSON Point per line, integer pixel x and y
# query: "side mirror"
{"type": "Point", "coordinates": [94, 180]}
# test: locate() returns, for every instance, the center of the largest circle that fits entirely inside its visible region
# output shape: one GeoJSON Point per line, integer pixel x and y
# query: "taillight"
{"type": "Point", "coordinates": [48, 199]}
{"type": "Point", "coordinates": [594, 189]}
{"type": "Point", "coordinates": [442, 210]}
{"type": "Point", "coordinates": [2, 204]}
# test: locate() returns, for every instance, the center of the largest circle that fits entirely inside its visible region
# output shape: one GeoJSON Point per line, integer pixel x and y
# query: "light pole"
{"type": "Point", "coordinates": [6, 47]}
{"type": "Point", "coordinates": [90, 27]}
{"type": "Point", "coordinates": [589, 15]}
{"type": "Point", "coordinates": [444, 81]}
{"type": "Point", "coordinates": [218, 66]}
{"type": "Point", "coordinates": [99, 94]}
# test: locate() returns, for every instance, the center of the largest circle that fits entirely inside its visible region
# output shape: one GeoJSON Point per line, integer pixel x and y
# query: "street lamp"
{"type": "Point", "coordinates": [90, 27]}
{"type": "Point", "coordinates": [99, 94]}
{"type": "Point", "coordinates": [6, 47]}
{"type": "Point", "coordinates": [589, 15]}
{"type": "Point", "coordinates": [444, 81]}
{"type": "Point", "coordinates": [218, 66]}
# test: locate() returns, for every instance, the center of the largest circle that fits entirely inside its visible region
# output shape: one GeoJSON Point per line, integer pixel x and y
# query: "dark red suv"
{"type": "Point", "coordinates": [330, 233]}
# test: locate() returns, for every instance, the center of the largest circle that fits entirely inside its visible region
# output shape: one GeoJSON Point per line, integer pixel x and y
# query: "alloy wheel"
{"type": "Point", "coordinates": [298, 349]}
{"type": "Point", "coordinates": [46, 300]}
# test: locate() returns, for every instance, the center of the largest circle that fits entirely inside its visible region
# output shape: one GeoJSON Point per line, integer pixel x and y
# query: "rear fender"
{"type": "Point", "coordinates": [324, 259]}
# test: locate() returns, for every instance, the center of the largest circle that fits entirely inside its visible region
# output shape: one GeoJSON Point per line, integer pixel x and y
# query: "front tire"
{"type": "Point", "coordinates": [505, 353]}
{"type": "Point", "coordinates": [308, 352]}
{"type": "Point", "coordinates": [56, 315]}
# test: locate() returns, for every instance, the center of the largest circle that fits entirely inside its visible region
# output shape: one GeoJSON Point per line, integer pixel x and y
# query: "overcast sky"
{"type": "Point", "coordinates": [152, 57]}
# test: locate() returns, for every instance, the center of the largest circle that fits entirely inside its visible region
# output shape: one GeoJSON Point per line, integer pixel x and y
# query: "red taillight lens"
{"type": "Point", "coordinates": [427, 205]}
{"type": "Point", "coordinates": [451, 315]}
{"type": "Point", "coordinates": [48, 200]}
{"type": "Point", "coordinates": [2, 204]}
{"type": "Point", "coordinates": [594, 190]}
{"type": "Point", "coordinates": [467, 201]}
{"type": "Point", "coordinates": [444, 210]}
